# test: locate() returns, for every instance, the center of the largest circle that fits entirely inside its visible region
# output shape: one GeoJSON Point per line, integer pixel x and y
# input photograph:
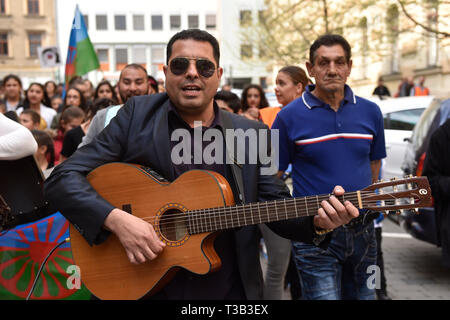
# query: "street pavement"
{"type": "Point", "coordinates": [413, 268]}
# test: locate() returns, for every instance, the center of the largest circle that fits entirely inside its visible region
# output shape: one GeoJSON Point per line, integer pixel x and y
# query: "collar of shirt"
{"type": "Point", "coordinates": [176, 121]}
{"type": "Point", "coordinates": [311, 100]}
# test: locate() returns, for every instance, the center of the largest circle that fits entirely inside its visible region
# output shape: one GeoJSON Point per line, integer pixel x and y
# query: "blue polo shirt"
{"type": "Point", "coordinates": [328, 148]}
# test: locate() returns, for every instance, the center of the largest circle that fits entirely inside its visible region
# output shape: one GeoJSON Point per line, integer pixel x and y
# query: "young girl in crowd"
{"type": "Point", "coordinates": [74, 137]}
{"type": "Point", "coordinates": [70, 118]}
{"type": "Point", "coordinates": [30, 119]}
{"type": "Point", "coordinates": [105, 90]}
{"type": "Point", "coordinates": [35, 97]}
{"type": "Point", "coordinates": [253, 99]}
{"type": "Point", "coordinates": [13, 91]}
{"type": "Point", "coordinates": [45, 154]}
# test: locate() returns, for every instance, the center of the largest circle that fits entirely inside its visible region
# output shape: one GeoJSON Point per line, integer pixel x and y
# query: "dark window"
{"type": "Point", "coordinates": [138, 22]}
{"type": "Point", "coordinates": [103, 56]}
{"type": "Point", "coordinates": [3, 44]}
{"type": "Point", "coordinates": [402, 120]}
{"type": "Point", "coordinates": [193, 22]}
{"type": "Point", "coordinates": [86, 21]}
{"type": "Point", "coordinates": [121, 56]}
{"type": "Point", "coordinates": [120, 22]}
{"type": "Point", "coordinates": [34, 41]}
{"type": "Point", "coordinates": [101, 22]}
{"type": "Point", "coordinates": [245, 17]}
{"type": "Point", "coordinates": [246, 51]}
{"type": "Point", "coordinates": [175, 22]}
{"type": "Point", "coordinates": [2, 6]}
{"type": "Point", "coordinates": [210, 21]}
{"type": "Point", "coordinates": [33, 6]}
{"type": "Point", "coordinates": [157, 22]}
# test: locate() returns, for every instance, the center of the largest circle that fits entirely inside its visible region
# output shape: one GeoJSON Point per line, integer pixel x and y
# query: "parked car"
{"type": "Point", "coordinates": [423, 225]}
{"type": "Point", "coordinates": [400, 115]}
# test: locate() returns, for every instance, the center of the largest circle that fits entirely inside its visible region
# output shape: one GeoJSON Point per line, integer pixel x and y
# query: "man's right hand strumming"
{"type": "Point", "coordinates": [137, 236]}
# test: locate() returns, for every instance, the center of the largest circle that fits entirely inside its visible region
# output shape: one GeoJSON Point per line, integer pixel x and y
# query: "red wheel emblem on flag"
{"type": "Point", "coordinates": [22, 251]}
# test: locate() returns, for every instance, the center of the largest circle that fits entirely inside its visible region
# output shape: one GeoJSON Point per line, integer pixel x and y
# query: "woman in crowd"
{"type": "Point", "coordinates": [290, 82]}
{"type": "Point", "coordinates": [13, 92]}
{"type": "Point", "coordinates": [71, 117]}
{"type": "Point", "coordinates": [74, 137]}
{"type": "Point", "coordinates": [105, 91]}
{"type": "Point", "coordinates": [74, 98]}
{"type": "Point", "coordinates": [35, 97]}
{"type": "Point", "coordinates": [45, 154]}
{"type": "Point", "coordinates": [253, 99]}
{"type": "Point", "coordinates": [50, 89]}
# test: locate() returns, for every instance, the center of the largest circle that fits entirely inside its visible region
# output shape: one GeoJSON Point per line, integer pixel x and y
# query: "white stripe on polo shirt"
{"type": "Point", "coordinates": [334, 137]}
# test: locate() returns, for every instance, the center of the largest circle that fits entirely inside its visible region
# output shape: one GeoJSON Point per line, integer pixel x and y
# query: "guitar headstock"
{"type": "Point", "coordinates": [406, 193]}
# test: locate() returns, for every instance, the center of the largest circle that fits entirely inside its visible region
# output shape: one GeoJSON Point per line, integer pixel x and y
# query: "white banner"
{"type": "Point", "coordinates": [49, 57]}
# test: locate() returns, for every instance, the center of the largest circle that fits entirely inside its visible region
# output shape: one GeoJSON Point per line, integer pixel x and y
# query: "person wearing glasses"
{"type": "Point", "coordinates": [141, 133]}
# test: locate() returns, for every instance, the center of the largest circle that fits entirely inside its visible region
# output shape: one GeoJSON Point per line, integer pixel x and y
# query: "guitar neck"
{"type": "Point", "coordinates": [223, 218]}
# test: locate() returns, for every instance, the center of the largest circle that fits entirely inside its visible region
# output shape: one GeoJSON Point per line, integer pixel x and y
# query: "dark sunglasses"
{"type": "Point", "coordinates": [205, 67]}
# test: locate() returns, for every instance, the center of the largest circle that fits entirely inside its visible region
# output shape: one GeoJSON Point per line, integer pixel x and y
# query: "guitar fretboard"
{"type": "Point", "coordinates": [222, 218]}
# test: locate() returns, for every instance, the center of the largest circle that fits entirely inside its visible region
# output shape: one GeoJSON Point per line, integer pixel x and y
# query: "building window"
{"type": "Point", "coordinates": [246, 51]}
{"type": "Point", "coordinates": [193, 22]}
{"type": "Point", "coordinates": [210, 21]}
{"type": "Point", "coordinates": [120, 22]}
{"type": "Point", "coordinates": [175, 22]}
{"type": "Point", "coordinates": [103, 59]}
{"type": "Point", "coordinates": [121, 58]}
{"type": "Point", "coordinates": [33, 6]}
{"type": "Point", "coordinates": [101, 22]}
{"type": "Point", "coordinates": [2, 6]}
{"type": "Point", "coordinates": [138, 22]}
{"type": "Point", "coordinates": [34, 41]}
{"type": "Point", "coordinates": [157, 22]}
{"type": "Point", "coordinates": [157, 60]}
{"type": "Point", "coordinates": [86, 20]}
{"type": "Point", "coordinates": [140, 56]}
{"type": "Point", "coordinates": [245, 18]}
{"type": "Point", "coordinates": [4, 44]}
{"type": "Point", "coordinates": [392, 24]}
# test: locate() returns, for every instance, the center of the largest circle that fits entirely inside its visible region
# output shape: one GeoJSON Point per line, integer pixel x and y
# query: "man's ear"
{"type": "Point", "coordinates": [220, 72]}
{"type": "Point", "coordinates": [165, 70]}
{"type": "Point", "coordinates": [309, 67]}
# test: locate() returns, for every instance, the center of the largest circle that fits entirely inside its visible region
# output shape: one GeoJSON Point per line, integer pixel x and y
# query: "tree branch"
{"type": "Point", "coordinates": [417, 23]}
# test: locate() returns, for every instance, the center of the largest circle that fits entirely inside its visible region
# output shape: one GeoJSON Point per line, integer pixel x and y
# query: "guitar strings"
{"type": "Point", "coordinates": [197, 215]}
{"type": "Point", "coordinates": [270, 204]}
{"type": "Point", "coordinates": [235, 214]}
{"type": "Point", "coordinates": [205, 226]}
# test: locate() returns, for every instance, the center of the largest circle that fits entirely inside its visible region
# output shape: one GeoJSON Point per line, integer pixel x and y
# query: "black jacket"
{"type": "Point", "coordinates": [139, 134]}
{"type": "Point", "coordinates": [437, 169]}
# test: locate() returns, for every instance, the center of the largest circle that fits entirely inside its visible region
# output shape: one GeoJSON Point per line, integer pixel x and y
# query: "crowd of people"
{"type": "Point", "coordinates": [406, 88]}
{"type": "Point", "coordinates": [321, 257]}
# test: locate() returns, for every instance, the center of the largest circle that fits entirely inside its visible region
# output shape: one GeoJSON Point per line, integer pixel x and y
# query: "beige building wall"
{"type": "Point", "coordinates": [18, 24]}
{"type": "Point", "coordinates": [416, 52]}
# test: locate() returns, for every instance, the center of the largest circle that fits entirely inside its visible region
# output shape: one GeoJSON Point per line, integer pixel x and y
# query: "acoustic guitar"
{"type": "Point", "coordinates": [187, 215]}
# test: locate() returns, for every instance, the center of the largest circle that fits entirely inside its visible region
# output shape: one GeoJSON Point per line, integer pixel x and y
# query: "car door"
{"type": "Point", "coordinates": [398, 127]}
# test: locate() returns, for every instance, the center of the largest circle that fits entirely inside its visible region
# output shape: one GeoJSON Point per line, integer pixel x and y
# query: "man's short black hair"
{"type": "Point", "coordinates": [329, 40]}
{"type": "Point", "coordinates": [134, 66]}
{"type": "Point", "coordinates": [194, 34]}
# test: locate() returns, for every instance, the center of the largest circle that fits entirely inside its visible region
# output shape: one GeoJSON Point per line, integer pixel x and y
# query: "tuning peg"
{"type": "Point", "coordinates": [393, 179]}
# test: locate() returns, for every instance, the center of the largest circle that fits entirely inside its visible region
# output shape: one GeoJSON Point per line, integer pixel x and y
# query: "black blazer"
{"type": "Point", "coordinates": [139, 134]}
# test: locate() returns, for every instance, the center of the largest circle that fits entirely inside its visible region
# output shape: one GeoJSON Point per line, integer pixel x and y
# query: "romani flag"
{"type": "Point", "coordinates": [81, 56]}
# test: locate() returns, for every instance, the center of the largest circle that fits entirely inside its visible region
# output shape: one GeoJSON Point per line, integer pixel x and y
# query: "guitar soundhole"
{"type": "Point", "coordinates": [173, 225]}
